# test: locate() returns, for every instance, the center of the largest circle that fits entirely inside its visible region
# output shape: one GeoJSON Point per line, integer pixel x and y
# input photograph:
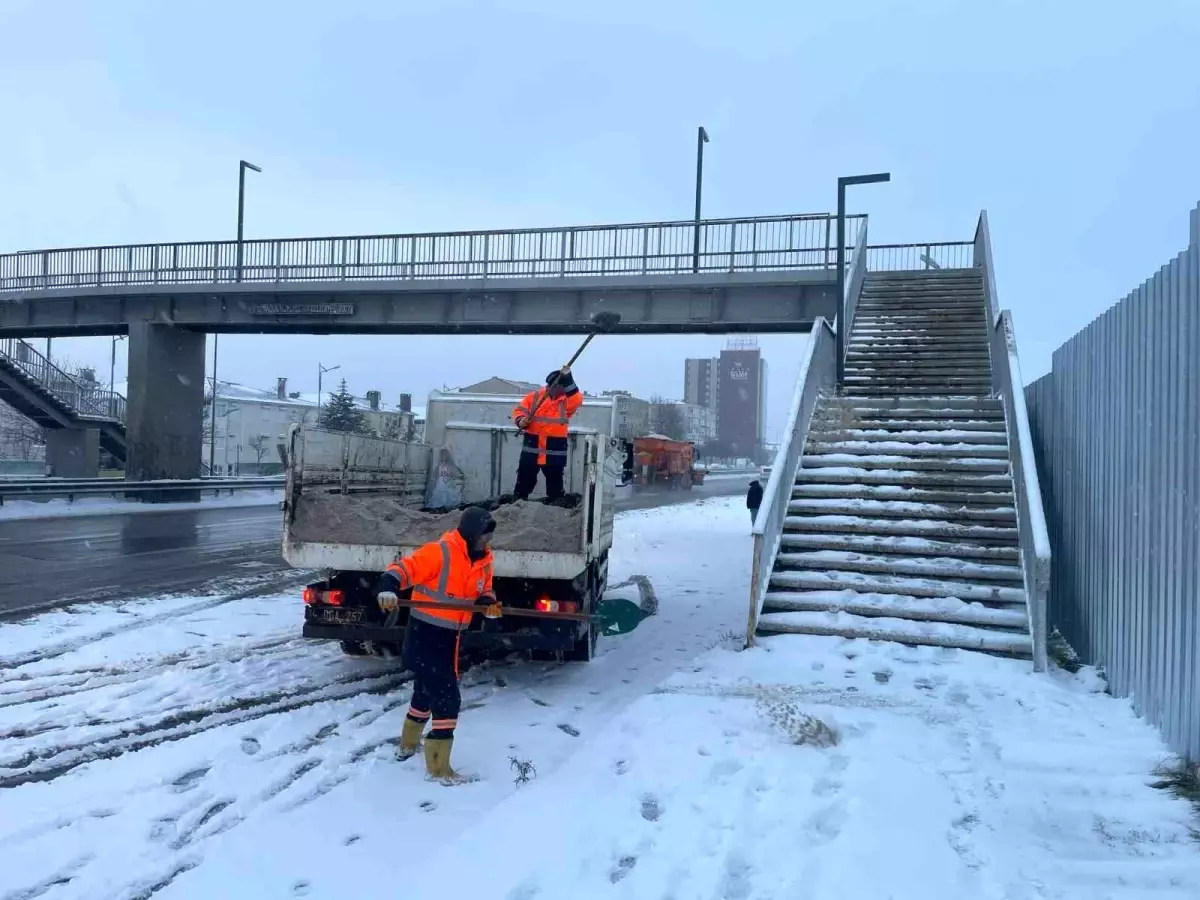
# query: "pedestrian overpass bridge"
{"type": "Point", "coordinates": [764, 274]}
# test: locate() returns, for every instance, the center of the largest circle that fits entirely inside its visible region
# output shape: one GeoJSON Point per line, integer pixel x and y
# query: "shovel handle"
{"type": "Point", "coordinates": [507, 610]}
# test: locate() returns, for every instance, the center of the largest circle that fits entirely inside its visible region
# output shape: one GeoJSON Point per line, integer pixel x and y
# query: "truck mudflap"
{"type": "Point", "coordinates": [550, 636]}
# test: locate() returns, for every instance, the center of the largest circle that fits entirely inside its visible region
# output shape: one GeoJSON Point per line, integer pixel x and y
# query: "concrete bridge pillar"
{"type": "Point", "coordinates": [73, 452]}
{"type": "Point", "coordinates": [165, 406]}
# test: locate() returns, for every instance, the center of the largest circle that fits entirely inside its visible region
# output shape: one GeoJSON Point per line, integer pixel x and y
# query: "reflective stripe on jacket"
{"type": "Point", "coordinates": [442, 572]}
{"type": "Point", "coordinates": [546, 433]}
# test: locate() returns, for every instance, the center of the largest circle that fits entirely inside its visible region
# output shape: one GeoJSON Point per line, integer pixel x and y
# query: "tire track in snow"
{"type": "Point", "coordinates": [49, 763]}
{"type": "Point", "coordinates": [53, 651]}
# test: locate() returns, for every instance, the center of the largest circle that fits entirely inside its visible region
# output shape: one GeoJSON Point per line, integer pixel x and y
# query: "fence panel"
{"type": "Point", "coordinates": [1116, 426]}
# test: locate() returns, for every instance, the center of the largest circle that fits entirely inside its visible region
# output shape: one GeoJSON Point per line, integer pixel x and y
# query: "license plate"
{"type": "Point", "coordinates": [335, 616]}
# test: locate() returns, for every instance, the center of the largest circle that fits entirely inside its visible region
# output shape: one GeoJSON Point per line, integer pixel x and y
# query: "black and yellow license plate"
{"type": "Point", "coordinates": [332, 615]}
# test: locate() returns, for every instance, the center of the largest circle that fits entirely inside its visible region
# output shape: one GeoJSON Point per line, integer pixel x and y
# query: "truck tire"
{"type": "Point", "coordinates": [354, 648]}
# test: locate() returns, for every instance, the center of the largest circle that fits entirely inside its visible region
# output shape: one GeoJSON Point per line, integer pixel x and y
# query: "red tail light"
{"type": "Point", "coordinates": [316, 595]}
{"type": "Point", "coordinates": [547, 605]}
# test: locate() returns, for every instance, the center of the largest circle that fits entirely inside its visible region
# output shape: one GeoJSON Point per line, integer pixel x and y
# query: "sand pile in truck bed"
{"type": "Point", "coordinates": [367, 519]}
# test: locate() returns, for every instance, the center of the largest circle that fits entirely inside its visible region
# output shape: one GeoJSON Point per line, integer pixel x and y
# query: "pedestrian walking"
{"type": "Point", "coordinates": [754, 500]}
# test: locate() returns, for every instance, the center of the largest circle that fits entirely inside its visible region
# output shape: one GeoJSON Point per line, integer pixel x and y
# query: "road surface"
{"type": "Point", "coordinates": [51, 562]}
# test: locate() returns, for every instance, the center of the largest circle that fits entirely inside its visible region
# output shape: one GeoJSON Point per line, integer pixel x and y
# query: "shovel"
{"type": "Point", "coordinates": [612, 616]}
{"type": "Point", "coordinates": [602, 323]}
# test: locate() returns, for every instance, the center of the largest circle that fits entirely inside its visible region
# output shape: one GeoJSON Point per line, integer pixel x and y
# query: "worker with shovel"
{"type": "Point", "coordinates": [543, 416]}
{"type": "Point", "coordinates": [445, 575]}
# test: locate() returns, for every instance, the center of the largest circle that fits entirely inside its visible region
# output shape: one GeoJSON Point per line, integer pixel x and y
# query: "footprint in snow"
{"type": "Point", "coordinates": [351, 839]}
{"type": "Point", "coordinates": [621, 767]}
{"type": "Point", "coordinates": [301, 888]}
{"type": "Point", "coordinates": [427, 806]}
{"type": "Point", "coordinates": [651, 809]}
{"type": "Point", "coordinates": [623, 867]}
{"type": "Point", "coordinates": [250, 746]}
{"type": "Point", "coordinates": [883, 676]}
{"type": "Point", "coordinates": [569, 729]}
{"type": "Point", "coordinates": [189, 780]}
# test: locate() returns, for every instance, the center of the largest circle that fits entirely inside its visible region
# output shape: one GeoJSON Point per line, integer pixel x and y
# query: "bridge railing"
{"type": "Point", "coordinates": [907, 257]}
{"type": "Point", "coordinates": [85, 398]}
{"type": "Point", "coordinates": [804, 241]}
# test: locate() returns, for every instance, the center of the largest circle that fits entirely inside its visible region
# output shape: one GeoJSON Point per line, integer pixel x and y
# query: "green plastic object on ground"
{"type": "Point", "coordinates": [618, 616]}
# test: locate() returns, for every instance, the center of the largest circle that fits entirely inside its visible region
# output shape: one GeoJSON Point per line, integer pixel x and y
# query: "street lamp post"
{"type": "Point", "coordinates": [842, 324]}
{"type": "Point", "coordinates": [241, 218]}
{"type": "Point", "coordinates": [321, 370]}
{"type": "Point", "coordinates": [701, 140]}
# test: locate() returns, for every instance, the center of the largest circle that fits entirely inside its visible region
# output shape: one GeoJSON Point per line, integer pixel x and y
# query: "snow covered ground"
{"type": "Point", "coordinates": [102, 506]}
{"type": "Point", "coordinates": [195, 748]}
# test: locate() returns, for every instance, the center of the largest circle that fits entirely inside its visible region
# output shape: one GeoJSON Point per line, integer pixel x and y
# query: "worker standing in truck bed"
{"type": "Point", "coordinates": [543, 415]}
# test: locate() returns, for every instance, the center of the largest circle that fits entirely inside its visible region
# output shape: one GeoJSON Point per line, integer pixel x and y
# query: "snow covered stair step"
{"type": "Point", "coordinates": [958, 451]}
{"type": "Point", "coordinates": [907, 391]}
{"type": "Point", "coordinates": [869, 582]}
{"type": "Point", "coordinates": [817, 490]}
{"type": "Point", "coordinates": [930, 435]}
{"type": "Point", "coordinates": [970, 482]}
{"type": "Point", "coordinates": [978, 406]}
{"type": "Point", "coordinates": [943, 568]}
{"type": "Point", "coordinates": [923, 528]}
{"type": "Point", "coordinates": [931, 425]}
{"type": "Point", "coordinates": [885, 359]}
{"type": "Point", "coordinates": [897, 606]}
{"type": "Point", "coordinates": [902, 631]}
{"type": "Point", "coordinates": [909, 546]}
{"type": "Point", "coordinates": [814, 460]}
{"type": "Point", "coordinates": [900, 509]}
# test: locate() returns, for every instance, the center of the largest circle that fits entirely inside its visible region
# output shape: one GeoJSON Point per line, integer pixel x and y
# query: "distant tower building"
{"type": "Point", "coordinates": [700, 382]}
{"type": "Point", "coordinates": [741, 394]}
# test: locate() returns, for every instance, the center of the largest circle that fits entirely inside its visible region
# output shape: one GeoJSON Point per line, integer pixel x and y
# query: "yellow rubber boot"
{"type": "Point", "coordinates": [410, 739]}
{"type": "Point", "coordinates": [437, 761]}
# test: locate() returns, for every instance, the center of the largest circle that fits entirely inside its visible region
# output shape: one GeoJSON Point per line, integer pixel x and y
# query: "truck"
{"type": "Point", "coordinates": [354, 503]}
{"type": "Point", "coordinates": [659, 462]}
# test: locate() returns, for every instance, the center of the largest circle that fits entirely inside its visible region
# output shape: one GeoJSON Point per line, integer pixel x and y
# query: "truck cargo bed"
{"type": "Point", "coordinates": [373, 519]}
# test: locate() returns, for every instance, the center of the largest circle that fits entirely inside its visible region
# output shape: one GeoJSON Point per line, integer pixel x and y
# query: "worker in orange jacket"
{"type": "Point", "coordinates": [543, 416]}
{"type": "Point", "coordinates": [457, 568]}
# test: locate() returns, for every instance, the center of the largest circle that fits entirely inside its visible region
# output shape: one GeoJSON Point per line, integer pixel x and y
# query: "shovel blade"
{"type": "Point", "coordinates": [618, 616]}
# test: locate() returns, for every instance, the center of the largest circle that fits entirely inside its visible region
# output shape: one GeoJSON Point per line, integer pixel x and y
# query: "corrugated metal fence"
{"type": "Point", "coordinates": [1116, 425]}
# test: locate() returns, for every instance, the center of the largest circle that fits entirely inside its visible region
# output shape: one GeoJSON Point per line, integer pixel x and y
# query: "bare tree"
{"type": "Point", "coordinates": [260, 444]}
{"type": "Point", "coordinates": [666, 418]}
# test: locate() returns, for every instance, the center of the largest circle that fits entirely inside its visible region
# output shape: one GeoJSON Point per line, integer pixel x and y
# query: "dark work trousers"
{"type": "Point", "coordinates": [431, 654]}
{"type": "Point", "coordinates": [527, 473]}
{"type": "Point", "coordinates": [753, 514]}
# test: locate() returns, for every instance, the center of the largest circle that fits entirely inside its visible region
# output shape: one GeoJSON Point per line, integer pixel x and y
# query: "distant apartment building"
{"type": "Point", "coordinates": [250, 423]}
{"type": "Point", "coordinates": [699, 423]}
{"type": "Point", "coordinates": [700, 382]}
{"type": "Point", "coordinates": [734, 386]}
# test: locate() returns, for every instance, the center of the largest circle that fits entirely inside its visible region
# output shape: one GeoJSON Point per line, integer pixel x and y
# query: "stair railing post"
{"type": "Point", "coordinates": [842, 324]}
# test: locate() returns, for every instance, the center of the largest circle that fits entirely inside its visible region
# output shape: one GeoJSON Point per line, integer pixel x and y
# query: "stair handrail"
{"type": "Point", "coordinates": [1031, 516]}
{"type": "Point", "coordinates": [855, 277]}
{"type": "Point", "coordinates": [817, 375]}
{"type": "Point", "coordinates": [85, 399]}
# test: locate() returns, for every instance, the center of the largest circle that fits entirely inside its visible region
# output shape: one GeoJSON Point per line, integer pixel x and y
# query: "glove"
{"type": "Point", "coordinates": [490, 607]}
{"type": "Point", "coordinates": [566, 370]}
{"type": "Point", "coordinates": [387, 600]}
{"type": "Point", "coordinates": [522, 421]}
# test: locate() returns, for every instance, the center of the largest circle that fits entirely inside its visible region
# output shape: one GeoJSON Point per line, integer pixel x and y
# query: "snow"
{"type": "Point", "coordinates": [103, 506]}
{"type": "Point", "coordinates": [188, 748]}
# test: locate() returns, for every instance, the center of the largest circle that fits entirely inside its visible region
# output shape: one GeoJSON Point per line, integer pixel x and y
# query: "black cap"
{"type": "Point", "coordinates": [475, 522]}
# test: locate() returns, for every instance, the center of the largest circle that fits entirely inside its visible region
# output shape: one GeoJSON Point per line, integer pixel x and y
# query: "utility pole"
{"type": "Point", "coordinates": [241, 219]}
{"type": "Point", "coordinates": [701, 140]}
{"type": "Point", "coordinates": [321, 370]}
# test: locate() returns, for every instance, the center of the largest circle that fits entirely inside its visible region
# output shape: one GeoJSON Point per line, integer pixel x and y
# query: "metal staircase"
{"type": "Point", "coordinates": [901, 518]}
{"type": "Point", "coordinates": [51, 398]}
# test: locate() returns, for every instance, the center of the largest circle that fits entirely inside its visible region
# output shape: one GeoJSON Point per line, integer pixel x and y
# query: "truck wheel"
{"type": "Point", "coordinates": [354, 648]}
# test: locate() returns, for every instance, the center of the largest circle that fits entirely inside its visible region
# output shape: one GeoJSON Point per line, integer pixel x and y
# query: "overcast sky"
{"type": "Point", "coordinates": [1076, 124]}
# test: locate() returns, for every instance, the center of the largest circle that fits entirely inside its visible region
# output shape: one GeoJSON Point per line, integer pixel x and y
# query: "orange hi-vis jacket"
{"type": "Point", "coordinates": [546, 434]}
{"type": "Point", "coordinates": [442, 572]}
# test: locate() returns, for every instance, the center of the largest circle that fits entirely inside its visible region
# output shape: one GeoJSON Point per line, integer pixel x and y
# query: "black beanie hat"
{"type": "Point", "coordinates": [475, 522]}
